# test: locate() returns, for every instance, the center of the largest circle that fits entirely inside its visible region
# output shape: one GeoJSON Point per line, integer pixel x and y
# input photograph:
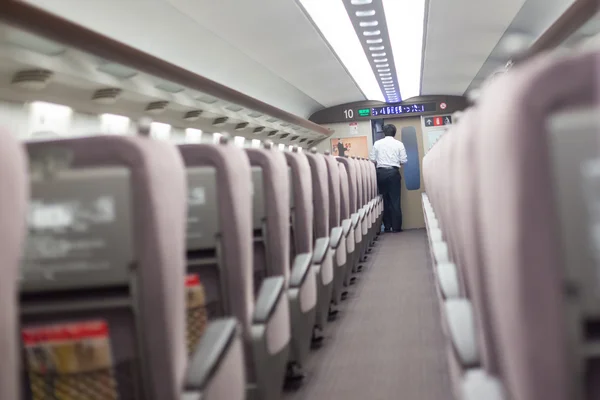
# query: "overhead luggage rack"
{"type": "Point", "coordinates": [85, 63]}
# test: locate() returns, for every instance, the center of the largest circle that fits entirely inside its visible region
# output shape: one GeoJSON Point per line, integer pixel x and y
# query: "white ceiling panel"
{"type": "Point", "coordinates": [277, 34]}
{"type": "Point", "coordinates": [532, 20]}
{"type": "Point", "coordinates": [459, 38]}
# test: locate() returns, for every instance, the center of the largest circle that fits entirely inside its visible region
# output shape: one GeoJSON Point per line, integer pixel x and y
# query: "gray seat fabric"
{"type": "Point", "coordinates": [322, 252]}
{"type": "Point", "coordinates": [13, 207]}
{"type": "Point", "coordinates": [348, 230]}
{"type": "Point", "coordinates": [356, 228]}
{"type": "Point", "coordinates": [526, 254]}
{"type": "Point", "coordinates": [338, 239]}
{"type": "Point", "coordinates": [301, 203]}
{"type": "Point", "coordinates": [220, 251]}
{"type": "Point", "coordinates": [272, 245]}
{"type": "Point", "coordinates": [119, 204]}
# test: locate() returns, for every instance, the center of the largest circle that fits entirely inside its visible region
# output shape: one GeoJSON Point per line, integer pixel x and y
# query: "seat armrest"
{"type": "Point", "coordinates": [362, 213]}
{"type": "Point", "coordinates": [477, 385]}
{"type": "Point", "coordinates": [208, 356]}
{"type": "Point", "coordinates": [355, 218]}
{"type": "Point", "coordinates": [461, 326]}
{"type": "Point", "coordinates": [320, 250]}
{"type": "Point", "coordinates": [300, 269]}
{"type": "Point", "coordinates": [270, 291]}
{"type": "Point", "coordinates": [346, 224]}
{"type": "Point", "coordinates": [448, 280]}
{"type": "Point", "coordinates": [336, 237]}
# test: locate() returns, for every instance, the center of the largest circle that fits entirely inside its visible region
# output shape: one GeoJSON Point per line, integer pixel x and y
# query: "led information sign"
{"type": "Point", "coordinates": [403, 109]}
{"type": "Point", "coordinates": [364, 112]}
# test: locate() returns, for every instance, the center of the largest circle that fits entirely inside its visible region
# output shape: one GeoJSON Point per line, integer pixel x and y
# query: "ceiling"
{"type": "Point", "coordinates": [270, 50]}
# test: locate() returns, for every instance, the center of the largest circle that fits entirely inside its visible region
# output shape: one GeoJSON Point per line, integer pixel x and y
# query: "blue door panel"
{"type": "Point", "coordinates": [412, 169]}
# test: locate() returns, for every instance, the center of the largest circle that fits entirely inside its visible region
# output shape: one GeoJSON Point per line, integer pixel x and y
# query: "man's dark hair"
{"type": "Point", "coordinates": [389, 130]}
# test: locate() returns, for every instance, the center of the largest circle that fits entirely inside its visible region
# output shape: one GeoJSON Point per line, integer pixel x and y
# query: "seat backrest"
{"type": "Point", "coordinates": [373, 174]}
{"type": "Point", "coordinates": [466, 199]}
{"type": "Point", "coordinates": [219, 234]}
{"type": "Point", "coordinates": [302, 202]}
{"type": "Point", "coordinates": [320, 184]}
{"type": "Point", "coordinates": [352, 183]}
{"type": "Point", "coordinates": [105, 260]}
{"type": "Point", "coordinates": [367, 175]}
{"type": "Point", "coordinates": [333, 175]}
{"type": "Point", "coordinates": [271, 213]}
{"type": "Point", "coordinates": [13, 208]}
{"type": "Point", "coordinates": [344, 191]}
{"type": "Point", "coordinates": [523, 257]}
{"type": "Point", "coordinates": [360, 182]}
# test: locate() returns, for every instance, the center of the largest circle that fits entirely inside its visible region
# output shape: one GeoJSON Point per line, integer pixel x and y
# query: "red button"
{"type": "Point", "coordinates": [438, 121]}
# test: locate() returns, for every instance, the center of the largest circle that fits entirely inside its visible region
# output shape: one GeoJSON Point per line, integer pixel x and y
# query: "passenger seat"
{"type": "Point", "coordinates": [271, 216]}
{"type": "Point", "coordinates": [105, 260]}
{"type": "Point", "coordinates": [13, 207]}
{"type": "Point", "coordinates": [322, 252]}
{"type": "Point", "coordinates": [338, 239]}
{"type": "Point", "coordinates": [220, 252]}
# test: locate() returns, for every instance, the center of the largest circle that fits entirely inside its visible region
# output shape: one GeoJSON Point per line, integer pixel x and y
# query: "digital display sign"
{"type": "Point", "coordinates": [364, 112]}
{"type": "Point", "coordinates": [403, 109]}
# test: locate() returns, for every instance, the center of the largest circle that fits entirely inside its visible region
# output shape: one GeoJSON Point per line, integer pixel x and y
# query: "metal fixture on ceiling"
{"type": "Point", "coordinates": [376, 43]}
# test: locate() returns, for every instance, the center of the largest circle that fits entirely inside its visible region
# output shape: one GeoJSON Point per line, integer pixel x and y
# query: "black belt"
{"type": "Point", "coordinates": [388, 167]}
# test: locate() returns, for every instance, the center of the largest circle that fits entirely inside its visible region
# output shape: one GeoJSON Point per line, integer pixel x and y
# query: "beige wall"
{"type": "Point", "coordinates": [342, 130]}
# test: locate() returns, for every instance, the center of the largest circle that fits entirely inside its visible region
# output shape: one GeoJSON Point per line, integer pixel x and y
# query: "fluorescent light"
{"type": "Point", "coordinates": [160, 131]}
{"type": "Point", "coordinates": [331, 18]}
{"type": "Point", "coordinates": [256, 143]}
{"type": "Point", "coordinates": [49, 119]}
{"type": "Point", "coordinates": [380, 60]}
{"type": "Point", "coordinates": [367, 13]}
{"type": "Point", "coordinates": [382, 65]}
{"type": "Point", "coordinates": [374, 41]}
{"type": "Point", "coordinates": [216, 137]}
{"type": "Point", "coordinates": [193, 135]}
{"type": "Point", "coordinates": [114, 124]}
{"type": "Point", "coordinates": [281, 146]}
{"type": "Point", "coordinates": [406, 18]}
{"type": "Point", "coordinates": [372, 33]}
{"type": "Point", "coordinates": [366, 24]}
{"type": "Point", "coordinates": [376, 48]}
{"type": "Point", "coordinates": [239, 141]}
{"type": "Point", "coordinates": [360, 2]}
{"type": "Point", "coordinates": [379, 54]}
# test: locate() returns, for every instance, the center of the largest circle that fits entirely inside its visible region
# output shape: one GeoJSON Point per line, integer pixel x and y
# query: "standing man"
{"type": "Point", "coordinates": [341, 148]}
{"type": "Point", "coordinates": [389, 154]}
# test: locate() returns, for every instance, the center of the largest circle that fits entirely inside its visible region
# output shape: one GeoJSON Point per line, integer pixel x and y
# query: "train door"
{"type": "Point", "coordinates": [410, 133]}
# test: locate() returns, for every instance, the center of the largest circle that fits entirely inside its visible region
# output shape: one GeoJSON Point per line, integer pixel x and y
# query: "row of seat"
{"type": "Point", "coordinates": [155, 271]}
{"type": "Point", "coordinates": [511, 213]}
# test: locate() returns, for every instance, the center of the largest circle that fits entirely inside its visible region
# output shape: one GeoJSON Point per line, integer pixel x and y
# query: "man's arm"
{"type": "Point", "coordinates": [403, 156]}
{"type": "Point", "coordinates": [373, 155]}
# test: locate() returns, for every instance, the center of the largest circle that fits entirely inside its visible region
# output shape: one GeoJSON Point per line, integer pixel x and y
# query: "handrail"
{"type": "Point", "coordinates": [33, 19]}
{"type": "Point", "coordinates": [567, 24]}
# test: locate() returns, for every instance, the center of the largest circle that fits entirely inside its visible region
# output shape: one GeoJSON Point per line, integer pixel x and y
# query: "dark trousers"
{"type": "Point", "coordinates": [389, 182]}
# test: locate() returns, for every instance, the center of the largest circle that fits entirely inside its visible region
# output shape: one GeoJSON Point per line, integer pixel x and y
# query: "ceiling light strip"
{"type": "Point", "coordinates": [405, 29]}
{"type": "Point", "coordinates": [337, 27]}
{"type": "Point", "coordinates": [375, 42]}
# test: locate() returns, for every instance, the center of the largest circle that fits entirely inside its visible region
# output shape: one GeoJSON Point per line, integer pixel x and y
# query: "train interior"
{"type": "Point", "coordinates": [190, 207]}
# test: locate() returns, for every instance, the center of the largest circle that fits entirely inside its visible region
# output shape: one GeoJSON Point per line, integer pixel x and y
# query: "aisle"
{"type": "Point", "coordinates": [387, 343]}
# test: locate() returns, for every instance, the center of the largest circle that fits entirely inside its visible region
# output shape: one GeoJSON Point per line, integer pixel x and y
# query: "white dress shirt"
{"type": "Point", "coordinates": [389, 152]}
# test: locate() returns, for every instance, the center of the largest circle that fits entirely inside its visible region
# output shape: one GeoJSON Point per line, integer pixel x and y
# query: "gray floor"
{"type": "Point", "coordinates": [387, 342]}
